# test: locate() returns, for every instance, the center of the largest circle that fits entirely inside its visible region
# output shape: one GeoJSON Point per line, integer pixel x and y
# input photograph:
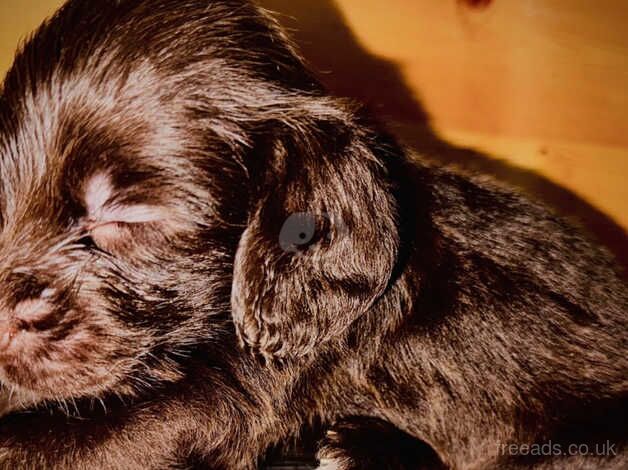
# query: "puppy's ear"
{"type": "Point", "coordinates": [321, 240]}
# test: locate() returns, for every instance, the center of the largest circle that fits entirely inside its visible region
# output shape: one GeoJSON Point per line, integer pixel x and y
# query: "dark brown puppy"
{"type": "Point", "coordinates": [169, 167]}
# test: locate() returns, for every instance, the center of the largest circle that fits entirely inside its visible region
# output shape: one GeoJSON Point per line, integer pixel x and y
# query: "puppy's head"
{"type": "Point", "coordinates": [167, 167]}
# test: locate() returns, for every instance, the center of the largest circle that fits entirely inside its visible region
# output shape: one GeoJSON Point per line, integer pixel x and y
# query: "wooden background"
{"type": "Point", "coordinates": [538, 87]}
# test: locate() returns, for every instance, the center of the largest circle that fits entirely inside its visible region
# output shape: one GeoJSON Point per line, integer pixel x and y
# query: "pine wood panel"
{"type": "Point", "coordinates": [542, 84]}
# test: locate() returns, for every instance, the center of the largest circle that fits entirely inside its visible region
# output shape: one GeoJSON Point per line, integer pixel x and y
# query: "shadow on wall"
{"type": "Point", "coordinates": [347, 69]}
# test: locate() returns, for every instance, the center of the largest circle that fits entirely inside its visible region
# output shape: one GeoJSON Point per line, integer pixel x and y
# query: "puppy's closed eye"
{"type": "Point", "coordinates": [111, 224]}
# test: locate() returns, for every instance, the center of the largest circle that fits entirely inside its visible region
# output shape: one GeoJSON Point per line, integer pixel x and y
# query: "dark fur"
{"type": "Point", "coordinates": [429, 305]}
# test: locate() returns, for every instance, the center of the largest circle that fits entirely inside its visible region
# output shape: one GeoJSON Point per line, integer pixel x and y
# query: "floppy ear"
{"type": "Point", "coordinates": [321, 240]}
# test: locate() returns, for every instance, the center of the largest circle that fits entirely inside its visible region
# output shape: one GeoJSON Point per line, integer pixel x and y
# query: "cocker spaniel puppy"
{"type": "Point", "coordinates": [202, 253]}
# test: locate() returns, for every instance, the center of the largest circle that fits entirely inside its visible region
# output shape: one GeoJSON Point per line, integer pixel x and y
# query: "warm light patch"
{"type": "Point", "coordinates": [102, 209]}
{"type": "Point", "coordinates": [108, 219]}
{"type": "Point", "coordinates": [98, 191]}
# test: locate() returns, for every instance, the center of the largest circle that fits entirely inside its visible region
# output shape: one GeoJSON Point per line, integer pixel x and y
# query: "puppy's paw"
{"type": "Point", "coordinates": [336, 464]}
{"type": "Point", "coordinates": [332, 456]}
{"type": "Point", "coordinates": [333, 453]}
{"type": "Point", "coordinates": [359, 443]}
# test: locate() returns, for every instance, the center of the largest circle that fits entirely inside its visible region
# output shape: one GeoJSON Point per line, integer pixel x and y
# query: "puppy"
{"type": "Point", "coordinates": [175, 184]}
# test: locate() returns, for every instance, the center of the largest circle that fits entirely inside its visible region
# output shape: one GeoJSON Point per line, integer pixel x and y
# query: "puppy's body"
{"type": "Point", "coordinates": [151, 152]}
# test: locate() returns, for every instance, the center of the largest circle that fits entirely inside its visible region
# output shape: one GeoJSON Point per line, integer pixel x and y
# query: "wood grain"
{"type": "Point", "coordinates": [543, 84]}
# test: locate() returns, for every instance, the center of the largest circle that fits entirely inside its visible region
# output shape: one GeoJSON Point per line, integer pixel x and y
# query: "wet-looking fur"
{"type": "Point", "coordinates": [150, 154]}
